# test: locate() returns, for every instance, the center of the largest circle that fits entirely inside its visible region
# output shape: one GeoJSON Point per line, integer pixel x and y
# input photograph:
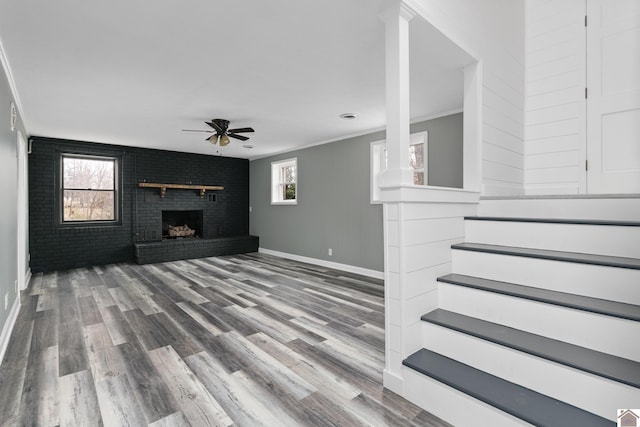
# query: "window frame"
{"type": "Point", "coordinates": [117, 189]}
{"type": "Point", "coordinates": [277, 190]}
{"type": "Point", "coordinates": [378, 163]}
{"type": "Point", "coordinates": [417, 139]}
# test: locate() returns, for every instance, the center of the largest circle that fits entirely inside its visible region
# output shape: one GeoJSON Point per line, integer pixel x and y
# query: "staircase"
{"type": "Point", "coordinates": [539, 323]}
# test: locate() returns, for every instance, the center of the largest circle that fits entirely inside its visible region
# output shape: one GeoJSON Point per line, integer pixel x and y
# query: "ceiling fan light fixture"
{"type": "Point", "coordinates": [221, 134]}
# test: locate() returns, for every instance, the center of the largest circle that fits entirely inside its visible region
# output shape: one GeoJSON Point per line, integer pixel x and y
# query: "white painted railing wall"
{"type": "Point", "coordinates": [420, 225]}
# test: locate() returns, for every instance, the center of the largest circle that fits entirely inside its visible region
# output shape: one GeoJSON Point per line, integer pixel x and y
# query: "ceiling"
{"type": "Point", "coordinates": [134, 72]}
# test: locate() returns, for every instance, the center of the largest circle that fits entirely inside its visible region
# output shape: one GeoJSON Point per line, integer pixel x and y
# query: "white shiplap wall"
{"type": "Point", "coordinates": [555, 47]}
{"type": "Point", "coordinates": [492, 31]}
{"type": "Point", "coordinates": [420, 225]}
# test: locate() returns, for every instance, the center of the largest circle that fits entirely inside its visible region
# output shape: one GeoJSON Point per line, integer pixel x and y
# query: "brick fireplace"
{"type": "Point", "coordinates": [211, 215]}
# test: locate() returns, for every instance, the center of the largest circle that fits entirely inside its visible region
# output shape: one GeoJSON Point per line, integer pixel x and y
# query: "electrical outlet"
{"type": "Point", "coordinates": [330, 252]}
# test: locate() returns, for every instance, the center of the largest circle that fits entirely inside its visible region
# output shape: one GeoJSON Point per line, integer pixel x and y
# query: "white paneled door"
{"type": "Point", "coordinates": [613, 102]}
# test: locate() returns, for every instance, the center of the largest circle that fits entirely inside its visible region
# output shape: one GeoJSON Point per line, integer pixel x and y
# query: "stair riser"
{"type": "Point", "coordinates": [595, 239]}
{"type": "Point", "coordinates": [611, 283]}
{"type": "Point", "coordinates": [595, 331]}
{"type": "Point", "coordinates": [590, 392]}
{"type": "Point", "coordinates": [449, 404]}
{"type": "Point", "coordinates": [612, 209]}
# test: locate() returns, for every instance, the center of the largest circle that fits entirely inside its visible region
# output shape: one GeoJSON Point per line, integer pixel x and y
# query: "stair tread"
{"type": "Point", "coordinates": [578, 302]}
{"type": "Point", "coordinates": [555, 221]}
{"type": "Point", "coordinates": [604, 260]}
{"type": "Point", "coordinates": [528, 405]}
{"type": "Point", "coordinates": [594, 362]}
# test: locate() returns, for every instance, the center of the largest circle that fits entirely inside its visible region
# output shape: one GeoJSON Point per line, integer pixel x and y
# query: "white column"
{"type": "Point", "coordinates": [396, 21]}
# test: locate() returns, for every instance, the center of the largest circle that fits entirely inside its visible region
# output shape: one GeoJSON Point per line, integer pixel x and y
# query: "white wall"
{"type": "Point", "coordinates": [555, 123]}
{"type": "Point", "coordinates": [492, 31]}
{"type": "Point", "coordinates": [8, 209]}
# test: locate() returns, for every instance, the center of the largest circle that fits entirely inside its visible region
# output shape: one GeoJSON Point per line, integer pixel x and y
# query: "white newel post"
{"type": "Point", "coordinates": [397, 174]}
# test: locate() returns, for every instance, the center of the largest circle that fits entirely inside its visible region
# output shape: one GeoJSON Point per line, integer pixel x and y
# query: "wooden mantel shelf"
{"type": "Point", "coordinates": [163, 187]}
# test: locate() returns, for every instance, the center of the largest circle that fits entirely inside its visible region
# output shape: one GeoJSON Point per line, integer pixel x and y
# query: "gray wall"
{"type": "Point", "coordinates": [8, 206]}
{"type": "Point", "coordinates": [445, 150]}
{"type": "Point", "coordinates": [333, 209]}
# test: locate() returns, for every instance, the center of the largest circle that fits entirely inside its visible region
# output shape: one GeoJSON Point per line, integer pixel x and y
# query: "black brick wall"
{"type": "Point", "coordinates": [56, 247]}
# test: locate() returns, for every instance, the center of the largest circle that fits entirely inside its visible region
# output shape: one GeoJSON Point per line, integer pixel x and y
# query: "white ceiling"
{"type": "Point", "coordinates": [134, 72]}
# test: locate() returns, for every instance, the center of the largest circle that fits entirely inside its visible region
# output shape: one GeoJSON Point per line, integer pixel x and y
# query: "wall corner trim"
{"type": "Point", "coordinates": [329, 264]}
{"type": "Point", "coordinates": [4, 61]}
{"type": "Point", "coordinates": [7, 329]}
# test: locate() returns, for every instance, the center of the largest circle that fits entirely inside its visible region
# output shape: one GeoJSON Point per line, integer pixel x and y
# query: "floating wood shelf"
{"type": "Point", "coordinates": [163, 187]}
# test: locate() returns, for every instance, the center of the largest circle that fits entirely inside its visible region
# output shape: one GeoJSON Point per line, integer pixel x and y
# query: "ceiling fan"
{"type": "Point", "coordinates": [222, 133]}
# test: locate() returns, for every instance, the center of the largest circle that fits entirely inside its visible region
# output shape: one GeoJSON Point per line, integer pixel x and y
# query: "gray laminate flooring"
{"type": "Point", "coordinates": [245, 340]}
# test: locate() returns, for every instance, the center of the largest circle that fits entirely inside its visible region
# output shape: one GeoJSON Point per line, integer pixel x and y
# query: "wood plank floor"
{"type": "Point", "coordinates": [245, 340]}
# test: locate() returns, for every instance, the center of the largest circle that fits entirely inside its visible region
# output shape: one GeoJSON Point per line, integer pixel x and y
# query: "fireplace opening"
{"type": "Point", "coordinates": [182, 224]}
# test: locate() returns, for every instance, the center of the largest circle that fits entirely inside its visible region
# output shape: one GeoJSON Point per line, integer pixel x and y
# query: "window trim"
{"type": "Point", "coordinates": [276, 168]}
{"type": "Point", "coordinates": [117, 188]}
{"type": "Point", "coordinates": [417, 139]}
{"type": "Point", "coordinates": [378, 163]}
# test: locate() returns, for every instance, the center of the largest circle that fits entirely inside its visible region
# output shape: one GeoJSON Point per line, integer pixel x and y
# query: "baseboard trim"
{"type": "Point", "coordinates": [329, 264]}
{"type": "Point", "coordinates": [393, 382]}
{"type": "Point", "coordinates": [27, 279]}
{"type": "Point", "coordinates": [7, 329]}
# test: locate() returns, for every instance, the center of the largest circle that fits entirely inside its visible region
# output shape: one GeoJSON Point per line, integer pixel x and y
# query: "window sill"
{"type": "Point", "coordinates": [285, 203]}
{"type": "Point", "coordinates": [89, 224]}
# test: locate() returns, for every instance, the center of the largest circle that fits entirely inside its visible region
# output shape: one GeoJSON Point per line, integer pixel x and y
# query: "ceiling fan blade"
{"type": "Point", "coordinates": [216, 126]}
{"type": "Point", "coordinates": [239, 130]}
{"type": "Point", "coordinates": [196, 130]}
{"type": "Point", "coordinates": [240, 137]}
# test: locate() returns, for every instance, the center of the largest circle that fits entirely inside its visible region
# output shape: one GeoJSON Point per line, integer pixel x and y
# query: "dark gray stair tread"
{"type": "Point", "coordinates": [555, 221]}
{"type": "Point", "coordinates": [615, 368]}
{"type": "Point", "coordinates": [528, 405]}
{"type": "Point", "coordinates": [578, 302]}
{"type": "Point", "coordinates": [608, 261]}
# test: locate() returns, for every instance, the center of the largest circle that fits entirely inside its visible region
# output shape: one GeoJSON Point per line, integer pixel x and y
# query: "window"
{"type": "Point", "coordinates": [89, 189]}
{"type": "Point", "coordinates": [284, 175]}
{"type": "Point", "coordinates": [417, 162]}
{"type": "Point", "coordinates": [416, 157]}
